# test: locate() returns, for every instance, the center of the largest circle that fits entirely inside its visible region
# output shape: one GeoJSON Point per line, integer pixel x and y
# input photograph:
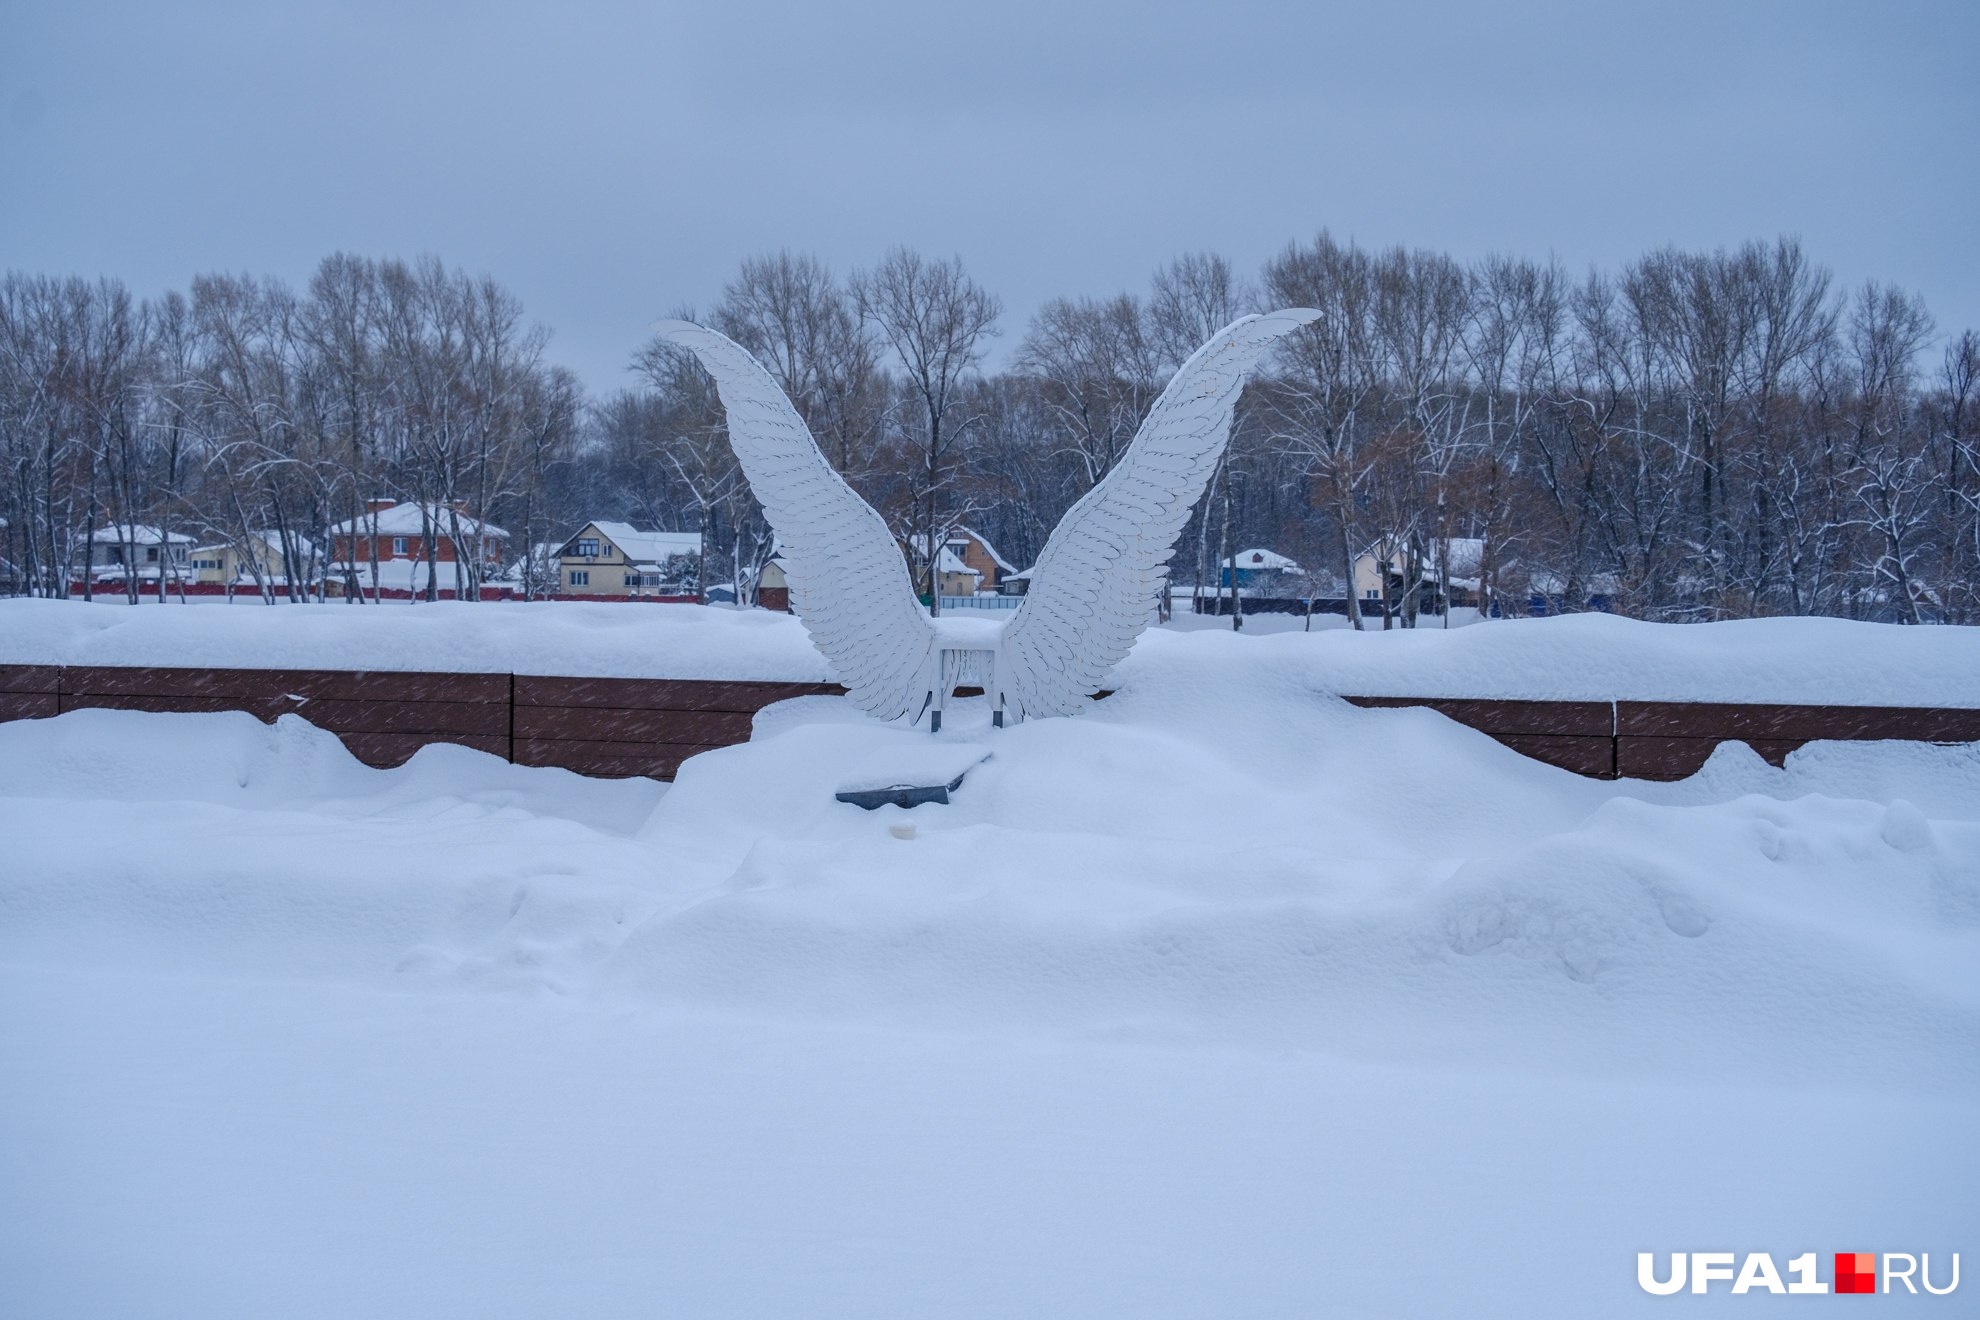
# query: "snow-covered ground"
{"type": "Point", "coordinates": [1222, 998]}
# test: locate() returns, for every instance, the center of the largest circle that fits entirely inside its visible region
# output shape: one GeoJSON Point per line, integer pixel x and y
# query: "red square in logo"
{"type": "Point", "coordinates": [1856, 1271]}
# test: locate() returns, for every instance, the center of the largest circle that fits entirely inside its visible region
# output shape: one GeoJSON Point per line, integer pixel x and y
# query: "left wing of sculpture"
{"type": "Point", "coordinates": [1093, 589]}
{"type": "Point", "coordinates": [848, 579]}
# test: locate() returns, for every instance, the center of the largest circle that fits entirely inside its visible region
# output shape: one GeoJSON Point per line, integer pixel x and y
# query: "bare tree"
{"type": "Point", "coordinates": [1194, 297]}
{"type": "Point", "coordinates": [936, 319]}
{"type": "Point", "coordinates": [1332, 371]}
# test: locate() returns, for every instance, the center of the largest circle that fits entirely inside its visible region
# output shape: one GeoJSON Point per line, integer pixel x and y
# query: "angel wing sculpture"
{"type": "Point", "coordinates": [1092, 591]}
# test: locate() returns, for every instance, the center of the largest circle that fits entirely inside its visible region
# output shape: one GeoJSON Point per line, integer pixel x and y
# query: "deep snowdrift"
{"type": "Point", "coordinates": [1184, 1006]}
{"type": "Point", "coordinates": [1216, 853]}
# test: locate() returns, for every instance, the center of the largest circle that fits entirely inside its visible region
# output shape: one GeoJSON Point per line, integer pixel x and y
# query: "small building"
{"type": "Point", "coordinates": [226, 565]}
{"type": "Point", "coordinates": [1548, 593]}
{"type": "Point", "coordinates": [618, 560]}
{"type": "Point", "coordinates": [1256, 569]}
{"type": "Point", "coordinates": [1383, 567]}
{"type": "Point", "coordinates": [773, 589]}
{"type": "Point", "coordinates": [539, 570]}
{"type": "Point", "coordinates": [390, 530]}
{"type": "Point", "coordinates": [976, 555]}
{"type": "Point", "coordinates": [954, 577]}
{"type": "Point", "coordinates": [126, 551]}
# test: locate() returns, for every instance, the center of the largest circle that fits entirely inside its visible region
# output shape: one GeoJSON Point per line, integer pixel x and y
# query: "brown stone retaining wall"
{"type": "Point", "coordinates": [642, 726]}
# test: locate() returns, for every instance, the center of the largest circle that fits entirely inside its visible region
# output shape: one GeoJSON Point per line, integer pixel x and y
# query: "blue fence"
{"type": "Point", "coordinates": [981, 602]}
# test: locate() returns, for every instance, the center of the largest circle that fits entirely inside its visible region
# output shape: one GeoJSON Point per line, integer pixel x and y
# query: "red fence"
{"type": "Point", "coordinates": [645, 726]}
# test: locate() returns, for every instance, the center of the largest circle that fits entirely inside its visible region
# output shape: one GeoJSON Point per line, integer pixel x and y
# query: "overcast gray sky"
{"type": "Point", "coordinates": [611, 162]}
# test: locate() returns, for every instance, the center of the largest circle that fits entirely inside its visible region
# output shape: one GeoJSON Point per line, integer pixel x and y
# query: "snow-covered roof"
{"type": "Point", "coordinates": [270, 539]}
{"type": "Point", "coordinates": [1003, 565]}
{"type": "Point", "coordinates": [404, 574]}
{"type": "Point", "coordinates": [136, 534]}
{"type": "Point", "coordinates": [643, 547]}
{"type": "Point", "coordinates": [542, 552]}
{"type": "Point", "coordinates": [1263, 560]}
{"type": "Point", "coordinates": [412, 519]}
{"type": "Point", "coordinates": [303, 545]}
{"type": "Point", "coordinates": [948, 563]}
{"type": "Point", "coordinates": [1466, 554]}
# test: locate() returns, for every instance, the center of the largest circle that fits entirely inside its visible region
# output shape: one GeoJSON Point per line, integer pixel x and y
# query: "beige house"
{"type": "Point", "coordinates": [966, 565]}
{"type": "Point", "coordinates": [978, 556]}
{"type": "Point", "coordinates": [618, 560]}
{"type": "Point", "coordinates": [955, 578]}
{"type": "Point", "coordinates": [227, 565]}
{"type": "Point", "coordinates": [1379, 567]}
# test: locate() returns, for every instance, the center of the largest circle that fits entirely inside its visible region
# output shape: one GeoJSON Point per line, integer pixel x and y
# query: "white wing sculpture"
{"type": "Point", "coordinates": [1092, 591]}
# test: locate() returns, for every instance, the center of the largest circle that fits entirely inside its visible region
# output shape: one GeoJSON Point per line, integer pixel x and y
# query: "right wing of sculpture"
{"type": "Point", "coordinates": [1093, 589]}
{"type": "Point", "coordinates": [848, 580]}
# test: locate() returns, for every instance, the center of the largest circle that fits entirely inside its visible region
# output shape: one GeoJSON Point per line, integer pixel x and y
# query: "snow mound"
{"type": "Point", "coordinates": [1279, 866]}
{"type": "Point", "coordinates": [207, 843]}
{"type": "Point", "coordinates": [1219, 853]}
{"type": "Point", "coordinates": [1600, 657]}
{"type": "Point", "coordinates": [547, 637]}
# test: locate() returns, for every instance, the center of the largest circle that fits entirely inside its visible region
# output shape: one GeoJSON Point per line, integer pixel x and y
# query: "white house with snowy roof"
{"type": "Point", "coordinates": [126, 550]}
{"type": "Point", "coordinates": [1257, 567]}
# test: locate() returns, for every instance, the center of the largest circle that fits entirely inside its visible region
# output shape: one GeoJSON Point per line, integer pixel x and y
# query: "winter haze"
{"type": "Point", "coordinates": [613, 162]}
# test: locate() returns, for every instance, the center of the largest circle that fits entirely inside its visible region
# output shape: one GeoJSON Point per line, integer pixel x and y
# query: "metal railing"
{"type": "Point", "coordinates": [981, 602]}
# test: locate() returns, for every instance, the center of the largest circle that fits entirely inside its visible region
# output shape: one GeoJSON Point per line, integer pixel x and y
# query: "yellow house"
{"type": "Point", "coordinates": [1383, 568]}
{"type": "Point", "coordinates": [226, 564]}
{"type": "Point", "coordinates": [615, 559]}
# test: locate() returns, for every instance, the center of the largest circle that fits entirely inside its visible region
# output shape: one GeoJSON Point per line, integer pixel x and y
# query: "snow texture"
{"type": "Point", "coordinates": [592, 640]}
{"type": "Point", "coordinates": [1223, 997]}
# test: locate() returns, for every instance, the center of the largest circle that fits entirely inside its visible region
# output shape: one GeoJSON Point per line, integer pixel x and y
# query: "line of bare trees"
{"type": "Point", "coordinates": [249, 415]}
{"type": "Point", "coordinates": [1695, 436]}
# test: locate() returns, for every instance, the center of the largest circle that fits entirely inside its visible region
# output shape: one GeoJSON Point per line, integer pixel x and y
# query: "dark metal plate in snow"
{"type": "Point", "coordinates": [901, 795]}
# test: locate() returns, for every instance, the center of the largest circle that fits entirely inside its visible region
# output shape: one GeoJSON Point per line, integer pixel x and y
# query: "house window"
{"type": "Point", "coordinates": [1373, 593]}
{"type": "Point", "coordinates": [587, 547]}
{"type": "Point", "coordinates": [632, 579]}
{"type": "Point", "coordinates": [580, 577]}
{"type": "Point", "coordinates": [398, 545]}
{"type": "Point", "coordinates": [151, 554]}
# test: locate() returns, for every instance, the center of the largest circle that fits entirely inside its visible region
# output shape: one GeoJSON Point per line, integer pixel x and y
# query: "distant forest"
{"type": "Point", "coordinates": [1695, 436]}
